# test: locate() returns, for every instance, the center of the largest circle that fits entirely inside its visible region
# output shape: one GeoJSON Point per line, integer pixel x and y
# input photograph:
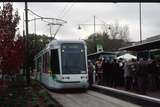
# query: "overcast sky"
{"type": "Point", "coordinates": [83, 13]}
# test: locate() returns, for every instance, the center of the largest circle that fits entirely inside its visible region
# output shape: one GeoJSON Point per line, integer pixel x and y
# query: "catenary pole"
{"type": "Point", "coordinates": [27, 51]}
{"type": "Point", "coordinates": [140, 23]}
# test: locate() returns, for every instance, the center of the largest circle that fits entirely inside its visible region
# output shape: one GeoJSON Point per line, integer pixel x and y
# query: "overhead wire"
{"type": "Point", "coordinates": [38, 16]}
{"type": "Point", "coordinates": [43, 19]}
{"type": "Point", "coordinates": [105, 24]}
{"type": "Point", "coordinates": [46, 17]}
{"type": "Point", "coordinates": [67, 11]}
{"type": "Point", "coordinates": [101, 20]}
{"type": "Point", "coordinates": [35, 13]}
{"type": "Point", "coordinates": [66, 5]}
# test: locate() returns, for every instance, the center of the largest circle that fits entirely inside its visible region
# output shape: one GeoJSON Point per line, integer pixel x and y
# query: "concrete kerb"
{"type": "Point", "coordinates": [142, 100]}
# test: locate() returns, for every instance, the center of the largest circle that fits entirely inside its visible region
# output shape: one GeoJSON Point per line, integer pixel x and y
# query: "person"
{"type": "Point", "coordinates": [115, 73]}
{"type": "Point", "coordinates": [91, 69]}
{"type": "Point", "coordinates": [127, 75]}
{"type": "Point", "coordinates": [106, 73]}
{"type": "Point", "coordinates": [134, 70]}
{"type": "Point", "coordinates": [142, 76]}
{"type": "Point", "coordinates": [121, 72]}
{"type": "Point", "coordinates": [104, 68]}
{"type": "Point", "coordinates": [153, 72]}
{"type": "Point", "coordinates": [111, 72]}
{"type": "Point", "coordinates": [99, 70]}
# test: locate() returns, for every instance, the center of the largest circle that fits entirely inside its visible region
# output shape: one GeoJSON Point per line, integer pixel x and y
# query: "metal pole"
{"type": "Point", "coordinates": [27, 52]}
{"type": "Point", "coordinates": [35, 25]}
{"type": "Point", "coordinates": [23, 26]}
{"type": "Point", "coordinates": [51, 31]}
{"type": "Point", "coordinates": [35, 44]}
{"type": "Point", "coordinates": [94, 25]}
{"type": "Point", "coordinates": [95, 33]}
{"type": "Point", "coordinates": [140, 23]}
{"type": "Point", "coordinates": [56, 31]}
{"type": "Point", "coordinates": [24, 38]}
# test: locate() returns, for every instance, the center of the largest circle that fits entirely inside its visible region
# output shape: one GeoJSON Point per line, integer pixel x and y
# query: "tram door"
{"type": "Point", "coordinates": [54, 61]}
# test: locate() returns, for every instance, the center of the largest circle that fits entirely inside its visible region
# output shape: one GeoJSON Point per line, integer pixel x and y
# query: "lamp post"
{"type": "Point", "coordinates": [140, 23]}
{"type": "Point", "coordinates": [94, 25]}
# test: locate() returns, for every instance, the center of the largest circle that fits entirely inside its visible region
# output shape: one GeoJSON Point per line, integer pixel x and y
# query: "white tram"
{"type": "Point", "coordinates": [63, 64]}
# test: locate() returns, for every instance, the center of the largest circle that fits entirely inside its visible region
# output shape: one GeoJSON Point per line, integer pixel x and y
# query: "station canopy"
{"type": "Point", "coordinates": [145, 45]}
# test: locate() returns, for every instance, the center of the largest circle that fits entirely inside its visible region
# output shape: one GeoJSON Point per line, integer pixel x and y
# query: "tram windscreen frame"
{"type": "Point", "coordinates": [73, 58]}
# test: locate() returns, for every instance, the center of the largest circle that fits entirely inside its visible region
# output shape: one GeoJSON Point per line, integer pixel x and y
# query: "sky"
{"type": "Point", "coordinates": [83, 13]}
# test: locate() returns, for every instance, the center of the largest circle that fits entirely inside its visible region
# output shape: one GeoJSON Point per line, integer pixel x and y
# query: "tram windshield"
{"type": "Point", "coordinates": [73, 58]}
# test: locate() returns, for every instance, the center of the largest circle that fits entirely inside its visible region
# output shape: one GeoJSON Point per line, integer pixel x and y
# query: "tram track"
{"type": "Point", "coordinates": [89, 99]}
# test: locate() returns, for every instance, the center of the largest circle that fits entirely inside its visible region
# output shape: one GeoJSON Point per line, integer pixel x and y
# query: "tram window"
{"type": "Point", "coordinates": [47, 61]}
{"type": "Point", "coordinates": [73, 59]}
{"type": "Point", "coordinates": [55, 61]}
{"type": "Point", "coordinates": [43, 63]}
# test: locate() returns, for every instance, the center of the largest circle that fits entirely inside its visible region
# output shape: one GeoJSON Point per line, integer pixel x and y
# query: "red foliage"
{"type": "Point", "coordinates": [11, 51]}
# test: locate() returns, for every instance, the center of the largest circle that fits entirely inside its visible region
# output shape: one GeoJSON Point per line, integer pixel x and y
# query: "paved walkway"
{"type": "Point", "coordinates": [89, 99]}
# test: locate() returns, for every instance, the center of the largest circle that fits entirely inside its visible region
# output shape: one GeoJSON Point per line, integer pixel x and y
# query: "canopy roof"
{"type": "Point", "coordinates": [143, 46]}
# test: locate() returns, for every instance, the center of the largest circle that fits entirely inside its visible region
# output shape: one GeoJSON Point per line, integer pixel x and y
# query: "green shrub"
{"type": "Point", "coordinates": [43, 93]}
{"type": "Point", "coordinates": [35, 103]}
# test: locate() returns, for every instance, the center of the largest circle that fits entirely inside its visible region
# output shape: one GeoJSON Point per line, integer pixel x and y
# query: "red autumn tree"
{"type": "Point", "coordinates": [11, 45]}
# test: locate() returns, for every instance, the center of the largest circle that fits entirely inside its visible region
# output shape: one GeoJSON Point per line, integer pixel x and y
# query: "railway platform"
{"type": "Point", "coordinates": [101, 96]}
{"type": "Point", "coordinates": [149, 100]}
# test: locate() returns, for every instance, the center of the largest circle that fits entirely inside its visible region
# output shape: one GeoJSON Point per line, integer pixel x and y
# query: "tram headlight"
{"type": "Point", "coordinates": [84, 77]}
{"type": "Point", "coordinates": [83, 72]}
{"type": "Point", "coordinates": [65, 77]}
{"type": "Point", "coordinates": [62, 78]}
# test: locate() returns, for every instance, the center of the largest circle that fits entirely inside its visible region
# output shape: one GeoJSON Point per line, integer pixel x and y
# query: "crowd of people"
{"type": "Point", "coordinates": [134, 75]}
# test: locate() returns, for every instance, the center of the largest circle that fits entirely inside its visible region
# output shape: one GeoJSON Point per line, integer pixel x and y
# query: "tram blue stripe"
{"type": "Point", "coordinates": [68, 81]}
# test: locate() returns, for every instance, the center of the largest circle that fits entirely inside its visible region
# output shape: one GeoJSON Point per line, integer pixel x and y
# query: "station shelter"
{"type": "Point", "coordinates": [149, 48]}
{"type": "Point", "coordinates": [106, 55]}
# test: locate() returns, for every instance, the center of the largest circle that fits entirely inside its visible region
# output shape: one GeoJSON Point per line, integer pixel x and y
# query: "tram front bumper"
{"type": "Point", "coordinates": [73, 84]}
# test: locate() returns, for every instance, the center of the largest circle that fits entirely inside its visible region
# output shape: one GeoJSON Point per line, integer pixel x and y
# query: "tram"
{"type": "Point", "coordinates": [62, 64]}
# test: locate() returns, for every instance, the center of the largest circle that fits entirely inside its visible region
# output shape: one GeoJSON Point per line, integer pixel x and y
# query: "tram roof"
{"type": "Point", "coordinates": [58, 42]}
{"type": "Point", "coordinates": [66, 41]}
{"type": "Point", "coordinates": [145, 45]}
